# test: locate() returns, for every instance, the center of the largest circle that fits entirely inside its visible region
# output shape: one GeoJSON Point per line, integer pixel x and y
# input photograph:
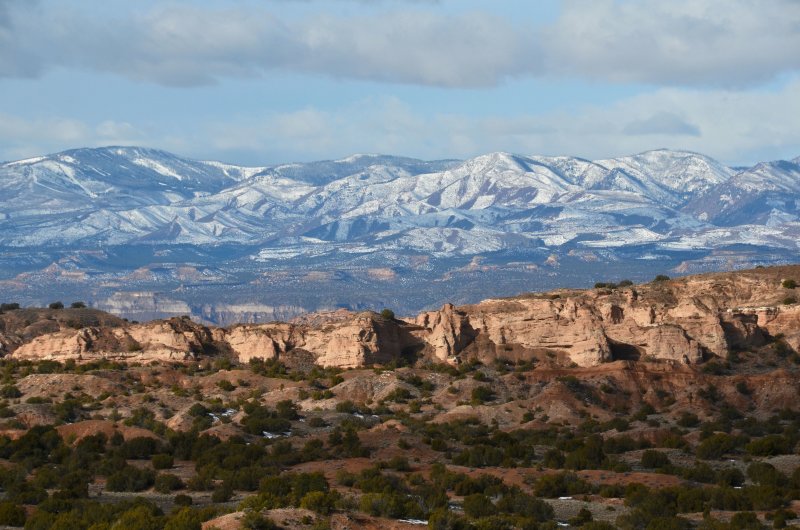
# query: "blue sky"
{"type": "Point", "coordinates": [270, 81]}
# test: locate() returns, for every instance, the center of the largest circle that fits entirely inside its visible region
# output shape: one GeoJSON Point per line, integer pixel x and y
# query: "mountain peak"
{"type": "Point", "coordinates": [358, 157]}
{"type": "Point", "coordinates": [498, 160]}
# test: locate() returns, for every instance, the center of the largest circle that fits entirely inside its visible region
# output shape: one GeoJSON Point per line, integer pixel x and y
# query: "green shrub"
{"type": "Point", "coordinates": [185, 519]}
{"type": "Point", "coordinates": [444, 519]}
{"type": "Point", "coordinates": [226, 385]}
{"type": "Point", "coordinates": [130, 478]}
{"type": "Point", "coordinates": [182, 500]}
{"type": "Point", "coordinates": [139, 448]}
{"type": "Point", "coordinates": [261, 419]}
{"type": "Point", "coordinates": [399, 463]}
{"type": "Point", "coordinates": [765, 474]}
{"type": "Point", "coordinates": [771, 445]}
{"type": "Point", "coordinates": [198, 410]}
{"type": "Point", "coordinates": [605, 285]}
{"type": "Point", "coordinates": [789, 284]}
{"type": "Point", "coordinates": [167, 483]}
{"type": "Point", "coordinates": [478, 505]}
{"type": "Point", "coordinates": [598, 525]}
{"type": "Point", "coordinates": [716, 445]}
{"type": "Point", "coordinates": [642, 414]}
{"type": "Point", "coordinates": [387, 314]}
{"type": "Point", "coordinates": [661, 278]}
{"type": "Point", "coordinates": [222, 493]}
{"type": "Point", "coordinates": [162, 461]}
{"type": "Point", "coordinates": [524, 505]}
{"type": "Point", "coordinates": [746, 521]}
{"type": "Point", "coordinates": [399, 395]}
{"type": "Point", "coordinates": [10, 392]}
{"type": "Point", "coordinates": [319, 501]}
{"type": "Point", "coordinates": [11, 514]}
{"type": "Point", "coordinates": [481, 394]}
{"type": "Point", "coordinates": [286, 409]}
{"type": "Point", "coordinates": [256, 521]}
{"type": "Point", "coordinates": [346, 407]}
{"type": "Point", "coordinates": [652, 459]}
{"type": "Point", "coordinates": [56, 305]}
{"type": "Point", "coordinates": [559, 485]}
{"type": "Point", "coordinates": [590, 455]}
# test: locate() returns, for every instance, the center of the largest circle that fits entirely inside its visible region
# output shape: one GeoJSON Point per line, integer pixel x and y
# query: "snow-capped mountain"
{"type": "Point", "coordinates": [87, 180]}
{"type": "Point", "coordinates": [125, 225]}
{"type": "Point", "coordinates": [766, 194]}
{"type": "Point", "coordinates": [123, 196]}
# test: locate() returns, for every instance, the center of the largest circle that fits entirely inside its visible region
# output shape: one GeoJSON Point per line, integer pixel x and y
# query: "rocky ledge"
{"type": "Point", "coordinates": [687, 320]}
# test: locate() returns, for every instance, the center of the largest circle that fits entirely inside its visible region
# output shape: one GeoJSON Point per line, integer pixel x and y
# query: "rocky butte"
{"type": "Point", "coordinates": [687, 320]}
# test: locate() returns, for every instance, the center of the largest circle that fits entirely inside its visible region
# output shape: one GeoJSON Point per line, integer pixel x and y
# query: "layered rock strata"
{"type": "Point", "coordinates": [685, 320]}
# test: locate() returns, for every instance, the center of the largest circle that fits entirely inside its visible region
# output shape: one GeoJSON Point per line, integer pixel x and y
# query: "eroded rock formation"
{"type": "Point", "coordinates": [685, 320]}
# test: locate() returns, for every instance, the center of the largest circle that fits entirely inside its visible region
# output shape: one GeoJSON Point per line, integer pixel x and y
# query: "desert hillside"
{"type": "Point", "coordinates": [674, 401]}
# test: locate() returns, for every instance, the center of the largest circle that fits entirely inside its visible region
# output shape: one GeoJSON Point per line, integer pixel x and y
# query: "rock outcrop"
{"type": "Point", "coordinates": [685, 320]}
{"type": "Point", "coordinates": [176, 339]}
{"type": "Point", "coordinates": [360, 339]}
{"type": "Point", "coordinates": [447, 332]}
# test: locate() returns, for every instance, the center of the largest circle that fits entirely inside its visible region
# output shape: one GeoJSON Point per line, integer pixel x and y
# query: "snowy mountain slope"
{"type": "Point", "coordinates": [113, 177]}
{"type": "Point", "coordinates": [326, 171]}
{"type": "Point", "coordinates": [669, 176]}
{"type": "Point", "coordinates": [768, 194]}
{"type": "Point", "coordinates": [88, 198]}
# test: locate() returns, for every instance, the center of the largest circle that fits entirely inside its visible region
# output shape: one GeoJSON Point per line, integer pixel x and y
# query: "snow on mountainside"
{"type": "Point", "coordinates": [766, 194]}
{"type": "Point", "coordinates": [679, 171]}
{"type": "Point", "coordinates": [112, 177]}
{"type": "Point", "coordinates": [86, 198]}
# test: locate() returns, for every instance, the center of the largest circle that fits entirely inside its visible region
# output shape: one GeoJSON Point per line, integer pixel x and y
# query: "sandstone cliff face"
{"type": "Point", "coordinates": [357, 340]}
{"type": "Point", "coordinates": [24, 325]}
{"type": "Point", "coordinates": [684, 320]}
{"type": "Point", "coordinates": [446, 332]}
{"type": "Point", "coordinates": [266, 341]}
{"type": "Point", "coordinates": [177, 339]}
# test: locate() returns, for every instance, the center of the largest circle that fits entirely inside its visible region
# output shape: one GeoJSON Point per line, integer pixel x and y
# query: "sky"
{"type": "Point", "coordinates": [273, 81]}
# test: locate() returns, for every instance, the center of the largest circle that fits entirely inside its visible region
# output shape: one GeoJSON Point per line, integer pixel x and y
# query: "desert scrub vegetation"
{"type": "Point", "coordinates": [262, 446]}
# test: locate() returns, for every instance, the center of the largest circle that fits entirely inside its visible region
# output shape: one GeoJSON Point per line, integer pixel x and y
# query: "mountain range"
{"type": "Point", "coordinates": [99, 215]}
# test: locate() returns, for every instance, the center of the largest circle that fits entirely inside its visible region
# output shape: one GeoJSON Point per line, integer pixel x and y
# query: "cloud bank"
{"type": "Point", "coordinates": [697, 43]}
{"type": "Point", "coordinates": [735, 126]}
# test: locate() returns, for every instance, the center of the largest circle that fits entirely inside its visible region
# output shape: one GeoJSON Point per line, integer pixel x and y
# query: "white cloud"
{"type": "Point", "coordinates": [183, 45]}
{"type": "Point", "coordinates": [675, 42]}
{"type": "Point", "coordinates": [22, 138]}
{"type": "Point", "coordinates": [735, 126]}
{"type": "Point", "coordinates": [681, 42]}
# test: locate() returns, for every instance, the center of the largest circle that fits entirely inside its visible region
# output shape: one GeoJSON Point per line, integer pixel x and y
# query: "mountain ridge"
{"type": "Point", "coordinates": [209, 200]}
{"type": "Point", "coordinates": [374, 226]}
